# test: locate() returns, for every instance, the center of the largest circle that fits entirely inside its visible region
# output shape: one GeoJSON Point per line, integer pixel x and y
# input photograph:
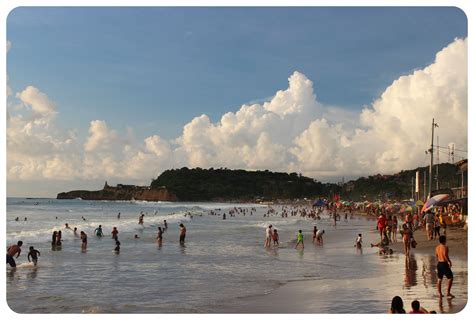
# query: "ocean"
{"type": "Point", "coordinates": [222, 263]}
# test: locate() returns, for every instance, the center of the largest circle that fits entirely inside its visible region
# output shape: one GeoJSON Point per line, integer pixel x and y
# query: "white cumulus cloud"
{"type": "Point", "coordinates": [291, 131]}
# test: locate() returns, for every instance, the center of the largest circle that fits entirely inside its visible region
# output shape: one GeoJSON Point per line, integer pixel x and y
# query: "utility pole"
{"type": "Point", "coordinates": [424, 185]}
{"type": "Point", "coordinates": [433, 125]}
{"type": "Point", "coordinates": [437, 163]}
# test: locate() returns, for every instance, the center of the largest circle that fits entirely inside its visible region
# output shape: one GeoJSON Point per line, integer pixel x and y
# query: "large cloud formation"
{"type": "Point", "coordinates": [291, 132]}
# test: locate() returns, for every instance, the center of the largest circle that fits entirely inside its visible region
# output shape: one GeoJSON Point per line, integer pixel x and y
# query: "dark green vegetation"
{"type": "Point", "coordinates": [225, 184]}
{"type": "Point", "coordinates": [399, 186]}
{"type": "Point", "coordinates": [229, 185]}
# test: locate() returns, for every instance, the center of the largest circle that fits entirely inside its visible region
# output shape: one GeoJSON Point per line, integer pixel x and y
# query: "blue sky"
{"type": "Point", "coordinates": [154, 69]}
{"type": "Point", "coordinates": [132, 84]}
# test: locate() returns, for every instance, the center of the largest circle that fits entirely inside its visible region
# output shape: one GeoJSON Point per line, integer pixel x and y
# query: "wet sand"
{"type": "Point", "coordinates": [309, 296]}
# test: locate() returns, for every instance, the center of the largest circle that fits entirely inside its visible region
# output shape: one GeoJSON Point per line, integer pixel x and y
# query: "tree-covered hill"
{"type": "Point", "coordinates": [225, 184]}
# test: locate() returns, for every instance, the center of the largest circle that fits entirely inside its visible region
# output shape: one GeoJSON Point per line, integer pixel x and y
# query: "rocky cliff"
{"type": "Point", "coordinates": [121, 192]}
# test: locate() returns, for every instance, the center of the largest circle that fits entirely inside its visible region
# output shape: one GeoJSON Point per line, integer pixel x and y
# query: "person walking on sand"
{"type": "Point", "coordinates": [182, 233]}
{"type": "Point", "coordinates": [406, 236]}
{"type": "Point", "coordinates": [429, 220]}
{"type": "Point", "coordinates": [34, 255]}
{"type": "Point", "coordinates": [444, 266]}
{"type": "Point", "coordinates": [394, 228]}
{"type": "Point", "coordinates": [437, 227]}
{"type": "Point", "coordinates": [299, 239]}
{"type": "Point", "coordinates": [11, 251]}
{"type": "Point", "coordinates": [381, 224]}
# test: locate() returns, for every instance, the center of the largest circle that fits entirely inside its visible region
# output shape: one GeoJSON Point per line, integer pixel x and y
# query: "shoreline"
{"type": "Point", "coordinates": [303, 295]}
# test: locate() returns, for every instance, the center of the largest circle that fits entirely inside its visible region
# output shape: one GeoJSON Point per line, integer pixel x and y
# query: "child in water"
{"type": "Point", "coordinates": [276, 237]}
{"type": "Point", "coordinates": [34, 255]}
{"type": "Point", "coordinates": [299, 239]}
{"type": "Point", "coordinates": [358, 243]}
{"type": "Point", "coordinates": [117, 247]}
{"type": "Point", "coordinates": [114, 233]}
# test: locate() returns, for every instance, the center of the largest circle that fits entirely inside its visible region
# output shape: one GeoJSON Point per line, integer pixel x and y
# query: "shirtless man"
{"type": "Point", "coordinates": [444, 266]}
{"type": "Point", "coordinates": [11, 251]}
{"type": "Point", "coordinates": [182, 233]}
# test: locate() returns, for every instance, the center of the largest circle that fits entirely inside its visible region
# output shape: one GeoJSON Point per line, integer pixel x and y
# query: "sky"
{"type": "Point", "coordinates": [122, 94]}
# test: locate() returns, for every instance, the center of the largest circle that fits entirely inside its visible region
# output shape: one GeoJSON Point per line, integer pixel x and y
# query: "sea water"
{"type": "Point", "coordinates": [221, 263]}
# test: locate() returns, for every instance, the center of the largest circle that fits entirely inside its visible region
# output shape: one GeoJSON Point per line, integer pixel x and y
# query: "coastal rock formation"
{"type": "Point", "coordinates": [122, 192]}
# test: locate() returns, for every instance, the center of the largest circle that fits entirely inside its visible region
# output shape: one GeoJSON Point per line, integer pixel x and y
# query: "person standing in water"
{"type": "Point", "coordinates": [276, 237]}
{"type": "Point", "coordinates": [53, 238]}
{"type": "Point", "coordinates": [34, 255]}
{"type": "Point", "coordinates": [11, 251]}
{"type": "Point", "coordinates": [268, 236]}
{"type": "Point", "coordinates": [358, 243]}
{"type": "Point", "coordinates": [118, 216]}
{"type": "Point", "coordinates": [140, 218]}
{"type": "Point", "coordinates": [299, 239]}
{"type": "Point", "coordinates": [98, 231]}
{"type": "Point", "coordinates": [115, 233]}
{"type": "Point", "coordinates": [319, 237]}
{"type": "Point", "coordinates": [117, 247]}
{"type": "Point", "coordinates": [84, 240]}
{"type": "Point", "coordinates": [315, 230]}
{"type": "Point", "coordinates": [58, 238]}
{"type": "Point", "coordinates": [159, 237]}
{"type": "Point", "coordinates": [182, 233]}
{"type": "Point", "coordinates": [166, 225]}
{"type": "Point", "coordinates": [444, 266]}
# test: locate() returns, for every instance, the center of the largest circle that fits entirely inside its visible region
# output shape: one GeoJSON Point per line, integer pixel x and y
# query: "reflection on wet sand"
{"type": "Point", "coordinates": [410, 271]}
{"type": "Point", "coordinates": [429, 271]}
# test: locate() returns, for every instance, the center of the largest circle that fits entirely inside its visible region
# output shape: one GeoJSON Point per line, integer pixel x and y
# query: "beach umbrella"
{"type": "Point", "coordinates": [420, 203]}
{"type": "Point", "coordinates": [433, 201]}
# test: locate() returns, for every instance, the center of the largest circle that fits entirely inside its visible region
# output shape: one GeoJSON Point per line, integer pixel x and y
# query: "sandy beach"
{"type": "Point", "coordinates": [309, 296]}
{"type": "Point", "coordinates": [457, 243]}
